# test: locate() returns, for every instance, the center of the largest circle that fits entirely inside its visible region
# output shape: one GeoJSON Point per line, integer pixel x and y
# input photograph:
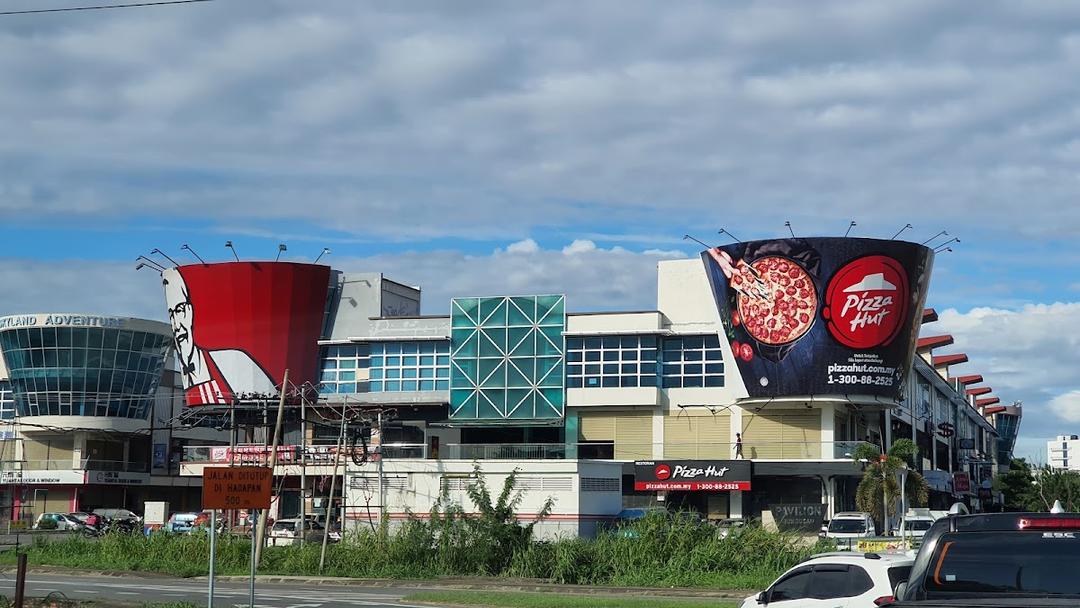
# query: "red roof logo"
{"type": "Point", "coordinates": [866, 302]}
{"type": "Point", "coordinates": [663, 472]}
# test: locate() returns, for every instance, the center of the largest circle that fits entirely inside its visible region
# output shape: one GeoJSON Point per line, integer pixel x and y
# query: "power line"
{"type": "Point", "coordinates": [100, 7]}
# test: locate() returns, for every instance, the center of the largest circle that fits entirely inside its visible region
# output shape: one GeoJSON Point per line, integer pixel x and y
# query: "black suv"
{"type": "Point", "coordinates": [997, 559]}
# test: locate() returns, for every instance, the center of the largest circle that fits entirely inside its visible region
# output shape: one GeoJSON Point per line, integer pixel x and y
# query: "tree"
{"type": "Point", "coordinates": [1054, 484]}
{"type": "Point", "coordinates": [879, 485]}
{"type": "Point", "coordinates": [1016, 485]}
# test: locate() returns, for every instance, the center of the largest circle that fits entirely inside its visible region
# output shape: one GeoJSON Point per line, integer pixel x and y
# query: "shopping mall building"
{"type": "Point", "coordinates": [743, 394]}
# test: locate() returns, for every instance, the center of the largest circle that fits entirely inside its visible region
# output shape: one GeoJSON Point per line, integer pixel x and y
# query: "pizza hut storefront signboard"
{"type": "Point", "coordinates": [692, 475]}
{"type": "Point", "coordinates": [821, 316]}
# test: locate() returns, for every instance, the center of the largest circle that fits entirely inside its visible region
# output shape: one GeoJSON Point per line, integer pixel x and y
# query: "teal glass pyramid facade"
{"type": "Point", "coordinates": [506, 358]}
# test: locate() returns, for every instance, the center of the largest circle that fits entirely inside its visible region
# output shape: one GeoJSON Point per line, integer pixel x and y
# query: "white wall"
{"type": "Point", "coordinates": [415, 486]}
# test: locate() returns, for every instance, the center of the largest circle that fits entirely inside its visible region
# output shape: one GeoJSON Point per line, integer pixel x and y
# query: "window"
{"type": "Point", "coordinates": [410, 366]}
{"type": "Point", "coordinates": [611, 361]}
{"type": "Point", "coordinates": [692, 362]}
{"type": "Point", "coordinates": [1023, 562]}
{"type": "Point", "coordinates": [793, 587]}
{"type": "Point", "coordinates": [338, 368]}
{"type": "Point", "coordinates": [898, 575]}
{"type": "Point", "coordinates": [829, 581]}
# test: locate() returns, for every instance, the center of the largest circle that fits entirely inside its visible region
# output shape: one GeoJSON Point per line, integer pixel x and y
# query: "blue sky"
{"type": "Point", "coordinates": [482, 147]}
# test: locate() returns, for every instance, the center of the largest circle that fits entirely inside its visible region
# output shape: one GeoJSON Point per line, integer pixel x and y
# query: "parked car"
{"type": "Point", "coordinates": [837, 580]}
{"type": "Point", "coordinates": [181, 523]}
{"type": "Point", "coordinates": [63, 522]}
{"type": "Point", "coordinates": [997, 559]}
{"type": "Point", "coordinates": [289, 529]}
{"type": "Point", "coordinates": [114, 514]}
{"type": "Point", "coordinates": [846, 528]}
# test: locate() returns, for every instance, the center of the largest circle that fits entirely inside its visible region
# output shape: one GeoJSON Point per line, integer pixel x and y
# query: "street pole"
{"type": "Point", "coordinates": [251, 580]}
{"type": "Point", "coordinates": [213, 557]}
{"type": "Point", "coordinates": [903, 504]}
{"type": "Point", "coordinates": [303, 468]}
{"type": "Point", "coordinates": [382, 497]}
{"type": "Point", "coordinates": [273, 463]}
{"type": "Point", "coordinates": [333, 484]}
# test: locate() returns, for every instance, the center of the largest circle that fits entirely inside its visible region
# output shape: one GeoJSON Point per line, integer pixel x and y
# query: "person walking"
{"type": "Point", "coordinates": [738, 446]}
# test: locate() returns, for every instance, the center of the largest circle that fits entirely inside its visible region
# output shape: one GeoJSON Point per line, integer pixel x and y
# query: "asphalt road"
{"type": "Point", "coordinates": [164, 590]}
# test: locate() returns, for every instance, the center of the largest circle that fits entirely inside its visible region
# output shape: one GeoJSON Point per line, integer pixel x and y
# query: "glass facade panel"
{"type": "Point", "coordinates": [69, 371]}
{"type": "Point", "coordinates": [625, 361]}
{"type": "Point", "coordinates": [506, 358]}
{"type": "Point", "coordinates": [692, 362]}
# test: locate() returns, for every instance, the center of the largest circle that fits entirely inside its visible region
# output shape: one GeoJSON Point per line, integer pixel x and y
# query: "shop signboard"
{"type": "Point", "coordinates": [692, 475]}
{"type": "Point", "coordinates": [117, 478]}
{"type": "Point", "coordinates": [160, 455]}
{"type": "Point", "coordinates": [966, 444]}
{"type": "Point", "coordinates": [65, 477]}
{"type": "Point", "coordinates": [238, 326]}
{"type": "Point", "coordinates": [798, 517]}
{"type": "Point", "coordinates": [961, 483]}
{"type": "Point", "coordinates": [821, 316]}
{"type": "Point", "coordinates": [939, 481]}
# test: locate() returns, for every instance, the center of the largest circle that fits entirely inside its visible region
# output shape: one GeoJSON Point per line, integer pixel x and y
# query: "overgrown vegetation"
{"type": "Point", "coordinates": [1028, 488]}
{"type": "Point", "coordinates": [657, 551]}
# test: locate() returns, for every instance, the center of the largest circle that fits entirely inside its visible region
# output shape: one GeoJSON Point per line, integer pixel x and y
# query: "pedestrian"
{"type": "Point", "coordinates": [738, 446]}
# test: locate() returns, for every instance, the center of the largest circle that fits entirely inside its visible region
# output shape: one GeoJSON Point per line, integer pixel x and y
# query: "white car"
{"type": "Point", "coordinates": [286, 529]}
{"type": "Point", "coordinates": [847, 528]}
{"type": "Point", "coordinates": [837, 580]}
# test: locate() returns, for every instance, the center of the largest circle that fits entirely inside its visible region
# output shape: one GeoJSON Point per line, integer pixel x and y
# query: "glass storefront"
{"type": "Point", "coordinates": [84, 371]}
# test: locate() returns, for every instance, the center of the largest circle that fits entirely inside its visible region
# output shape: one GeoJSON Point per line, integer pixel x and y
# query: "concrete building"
{"type": "Point", "coordinates": [1063, 452]}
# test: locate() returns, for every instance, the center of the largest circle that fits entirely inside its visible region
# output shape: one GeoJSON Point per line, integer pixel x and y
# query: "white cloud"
{"type": "Point", "coordinates": [579, 246]}
{"type": "Point", "coordinates": [525, 246]}
{"type": "Point", "coordinates": [1067, 406]}
{"type": "Point", "coordinates": [1030, 353]}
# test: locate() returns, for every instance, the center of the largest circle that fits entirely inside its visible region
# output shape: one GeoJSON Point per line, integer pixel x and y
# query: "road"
{"type": "Point", "coordinates": [137, 590]}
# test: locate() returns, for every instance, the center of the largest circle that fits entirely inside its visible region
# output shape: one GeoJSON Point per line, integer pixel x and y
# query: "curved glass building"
{"type": "Point", "coordinates": [84, 365]}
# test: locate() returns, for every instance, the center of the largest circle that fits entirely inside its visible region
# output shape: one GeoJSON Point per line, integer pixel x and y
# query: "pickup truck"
{"type": "Point", "coordinates": [996, 559]}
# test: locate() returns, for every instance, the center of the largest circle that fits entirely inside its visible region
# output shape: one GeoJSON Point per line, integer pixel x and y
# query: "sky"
{"type": "Point", "coordinates": [485, 147]}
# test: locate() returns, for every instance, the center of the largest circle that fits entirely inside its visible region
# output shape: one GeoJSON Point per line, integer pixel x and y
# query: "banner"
{"type": "Point", "coordinates": [692, 475]}
{"type": "Point", "coordinates": [239, 325]}
{"type": "Point", "coordinates": [821, 316]}
{"type": "Point", "coordinates": [961, 483]}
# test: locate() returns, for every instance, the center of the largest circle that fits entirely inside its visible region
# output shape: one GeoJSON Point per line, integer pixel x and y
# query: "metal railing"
{"type": "Point", "coordinates": [69, 464]}
{"type": "Point", "coordinates": [603, 450]}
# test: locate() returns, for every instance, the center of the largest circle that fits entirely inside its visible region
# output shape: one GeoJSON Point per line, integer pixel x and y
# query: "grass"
{"type": "Point", "coordinates": [662, 553]}
{"type": "Point", "coordinates": [513, 599]}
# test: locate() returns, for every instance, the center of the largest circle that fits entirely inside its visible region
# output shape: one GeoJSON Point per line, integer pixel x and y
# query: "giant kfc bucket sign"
{"type": "Point", "coordinates": [821, 316]}
{"type": "Point", "coordinates": [239, 325]}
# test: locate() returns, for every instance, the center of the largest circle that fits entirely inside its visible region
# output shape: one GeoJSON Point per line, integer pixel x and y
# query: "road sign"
{"type": "Point", "coordinates": [237, 487]}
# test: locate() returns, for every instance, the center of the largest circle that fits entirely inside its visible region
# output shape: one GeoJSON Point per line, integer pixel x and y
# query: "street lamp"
{"type": "Point", "coordinates": [903, 502]}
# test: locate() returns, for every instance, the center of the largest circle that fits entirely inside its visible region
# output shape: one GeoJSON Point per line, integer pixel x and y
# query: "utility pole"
{"type": "Point", "coordinates": [273, 463]}
{"type": "Point", "coordinates": [333, 483]}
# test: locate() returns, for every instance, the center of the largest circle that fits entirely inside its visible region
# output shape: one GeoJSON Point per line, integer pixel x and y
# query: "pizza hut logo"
{"type": "Point", "coordinates": [663, 472]}
{"type": "Point", "coordinates": [867, 301]}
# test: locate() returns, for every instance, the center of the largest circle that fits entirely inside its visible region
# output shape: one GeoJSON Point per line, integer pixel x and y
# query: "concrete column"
{"type": "Point", "coordinates": [830, 497]}
{"type": "Point", "coordinates": [658, 433]}
{"type": "Point", "coordinates": [888, 428]}
{"type": "Point", "coordinates": [79, 450]}
{"type": "Point", "coordinates": [127, 452]}
{"type": "Point", "coordinates": [828, 431]}
{"type": "Point", "coordinates": [571, 435]}
{"type": "Point", "coordinates": [735, 504]}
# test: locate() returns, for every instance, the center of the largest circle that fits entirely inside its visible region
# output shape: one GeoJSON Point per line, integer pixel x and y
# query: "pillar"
{"type": "Point", "coordinates": [828, 432]}
{"type": "Point", "coordinates": [658, 433]}
{"type": "Point", "coordinates": [735, 506]}
{"type": "Point", "coordinates": [79, 450]}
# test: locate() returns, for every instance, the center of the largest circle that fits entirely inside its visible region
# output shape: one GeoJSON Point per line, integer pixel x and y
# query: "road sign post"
{"type": "Point", "coordinates": [235, 488]}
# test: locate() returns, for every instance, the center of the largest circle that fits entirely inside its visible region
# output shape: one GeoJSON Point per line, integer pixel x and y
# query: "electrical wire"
{"type": "Point", "coordinates": [99, 7]}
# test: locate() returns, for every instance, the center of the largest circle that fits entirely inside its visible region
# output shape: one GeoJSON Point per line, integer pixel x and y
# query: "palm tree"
{"type": "Point", "coordinates": [879, 481]}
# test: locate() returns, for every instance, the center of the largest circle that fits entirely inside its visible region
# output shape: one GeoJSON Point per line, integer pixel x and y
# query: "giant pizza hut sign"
{"type": "Point", "coordinates": [821, 316]}
{"type": "Point", "coordinates": [692, 475]}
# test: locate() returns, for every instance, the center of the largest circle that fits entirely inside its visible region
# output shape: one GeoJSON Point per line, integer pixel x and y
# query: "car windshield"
{"type": "Point", "coordinates": [847, 526]}
{"type": "Point", "coordinates": [1021, 562]}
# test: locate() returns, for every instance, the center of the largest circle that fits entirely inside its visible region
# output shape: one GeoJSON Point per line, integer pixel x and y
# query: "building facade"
{"type": "Point", "coordinates": [86, 402]}
{"type": "Point", "coordinates": [1063, 452]}
{"type": "Point", "coordinates": [580, 402]}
